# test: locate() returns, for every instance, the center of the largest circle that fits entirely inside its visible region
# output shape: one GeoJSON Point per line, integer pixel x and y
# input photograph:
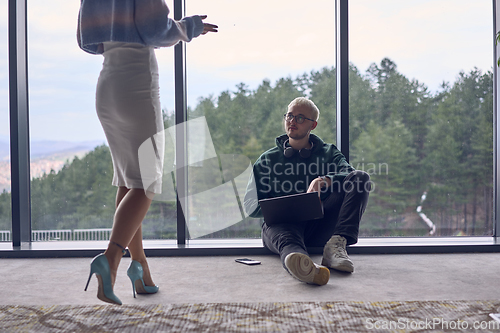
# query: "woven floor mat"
{"type": "Point", "coordinates": [413, 316]}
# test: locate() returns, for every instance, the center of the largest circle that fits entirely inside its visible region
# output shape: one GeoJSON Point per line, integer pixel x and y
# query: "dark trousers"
{"type": "Point", "coordinates": [343, 209]}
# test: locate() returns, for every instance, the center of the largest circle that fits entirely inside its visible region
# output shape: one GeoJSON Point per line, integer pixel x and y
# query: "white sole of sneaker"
{"type": "Point", "coordinates": [340, 266]}
{"type": "Point", "coordinates": [304, 269]}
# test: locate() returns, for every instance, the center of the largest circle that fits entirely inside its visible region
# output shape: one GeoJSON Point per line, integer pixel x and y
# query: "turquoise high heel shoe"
{"type": "Point", "coordinates": [100, 266]}
{"type": "Point", "coordinates": [135, 273]}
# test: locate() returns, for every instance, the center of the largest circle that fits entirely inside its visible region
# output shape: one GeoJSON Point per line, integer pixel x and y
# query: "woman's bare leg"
{"type": "Point", "coordinates": [136, 248]}
{"type": "Point", "coordinates": [132, 206]}
{"type": "Point", "coordinates": [137, 253]}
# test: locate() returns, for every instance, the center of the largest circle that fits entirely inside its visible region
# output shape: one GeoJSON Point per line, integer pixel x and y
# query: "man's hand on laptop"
{"type": "Point", "coordinates": [318, 183]}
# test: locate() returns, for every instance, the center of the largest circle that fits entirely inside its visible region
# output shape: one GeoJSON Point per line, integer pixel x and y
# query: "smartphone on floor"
{"type": "Point", "coordinates": [247, 261]}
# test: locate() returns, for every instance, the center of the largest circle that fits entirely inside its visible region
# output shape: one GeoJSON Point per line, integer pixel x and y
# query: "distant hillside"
{"type": "Point", "coordinates": [45, 156]}
{"type": "Point", "coordinates": [47, 148]}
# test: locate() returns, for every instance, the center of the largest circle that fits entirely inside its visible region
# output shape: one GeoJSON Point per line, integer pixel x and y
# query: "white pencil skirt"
{"type": "Point", "coordinates": [128, 107]}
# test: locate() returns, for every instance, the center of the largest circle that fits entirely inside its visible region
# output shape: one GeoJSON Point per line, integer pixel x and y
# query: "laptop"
{"type": "Point", "coordinates": [292, 208]}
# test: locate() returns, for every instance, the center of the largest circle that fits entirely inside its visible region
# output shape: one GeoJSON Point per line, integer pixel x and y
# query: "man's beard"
{"type": "Point", "coordinates": [297, 136]}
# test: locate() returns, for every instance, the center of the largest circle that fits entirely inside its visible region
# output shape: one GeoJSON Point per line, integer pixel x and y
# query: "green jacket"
{"type": "Point", "coordinates": [275, 175]}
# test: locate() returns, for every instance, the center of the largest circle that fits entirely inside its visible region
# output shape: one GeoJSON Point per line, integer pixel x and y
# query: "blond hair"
{"type": "Point", "coordinates": [303, 101]}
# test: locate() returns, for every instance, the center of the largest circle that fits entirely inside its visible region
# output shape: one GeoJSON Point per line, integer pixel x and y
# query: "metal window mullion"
{"type": "Point", "coordinates": [496, 124]}
{"type": "Point", "coordinates": [342, 79]}
{"type": "Point", "coordinates": [19, 123]}
{"type": "Point", "coordinates": [181, 129]}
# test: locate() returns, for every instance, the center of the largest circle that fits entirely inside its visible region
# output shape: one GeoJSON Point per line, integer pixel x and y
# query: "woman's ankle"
{"type": "Point", "coordinates": [140, 259]}
{"type": "Point", "coordinates": [114, 256]}
{"type": "Point", "coordinates": [148, 280]}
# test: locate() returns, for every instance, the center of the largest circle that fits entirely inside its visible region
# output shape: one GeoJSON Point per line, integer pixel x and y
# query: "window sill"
{"type": "Point", "coordinates": [202, 247]}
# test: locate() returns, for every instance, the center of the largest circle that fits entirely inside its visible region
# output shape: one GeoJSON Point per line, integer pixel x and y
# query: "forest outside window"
{"type": "Point", "coordinates": [241, 92]}
{"type": "Point", "coordinates": [421, 115]}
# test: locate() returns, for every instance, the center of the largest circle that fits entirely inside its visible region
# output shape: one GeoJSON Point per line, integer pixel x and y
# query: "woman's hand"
{"type": "Point", "coordinates": [207, 27]}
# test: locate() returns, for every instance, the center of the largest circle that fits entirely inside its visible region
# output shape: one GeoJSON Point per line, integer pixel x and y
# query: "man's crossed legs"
{"type": "Point", "coordinates": [338, 228]}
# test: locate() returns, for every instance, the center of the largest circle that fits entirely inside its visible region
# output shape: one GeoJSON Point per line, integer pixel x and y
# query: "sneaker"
{"type": "Point", "coordinates": [335, 256]}
{"type": "Point", "coordinates": [301, 267]}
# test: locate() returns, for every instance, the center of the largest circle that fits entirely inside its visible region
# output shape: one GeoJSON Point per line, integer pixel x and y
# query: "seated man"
{"type": "Point", "coordinates": [302, 162]}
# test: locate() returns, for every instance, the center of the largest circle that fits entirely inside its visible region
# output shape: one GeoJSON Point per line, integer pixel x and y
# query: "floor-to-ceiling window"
{"type": "Point", "coordinates": [71, 169]}
{"type": "Point", "coordinates": [5, 202]}
{"type": "Point", "coordinates": [162, 220]}
{"type": "Point", "coordinates": [421, 115]}
{"type": "Point", "coordinates": [240, 81]}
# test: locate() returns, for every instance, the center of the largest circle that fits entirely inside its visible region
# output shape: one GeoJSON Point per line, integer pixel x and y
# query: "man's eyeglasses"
{"type": "Point", "coordinates": [298, 118]}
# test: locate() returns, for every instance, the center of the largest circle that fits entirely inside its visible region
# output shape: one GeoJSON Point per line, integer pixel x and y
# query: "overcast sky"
{"type": "Point", "coordinates": [431, 41]}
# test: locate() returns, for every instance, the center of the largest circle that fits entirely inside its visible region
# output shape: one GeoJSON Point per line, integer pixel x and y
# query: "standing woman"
{"type": "Point", "coordinates": [126, 32]}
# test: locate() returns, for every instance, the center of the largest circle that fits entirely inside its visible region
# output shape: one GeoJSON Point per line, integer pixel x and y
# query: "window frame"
{"type": "Point", "coordinates": [22, 245]}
